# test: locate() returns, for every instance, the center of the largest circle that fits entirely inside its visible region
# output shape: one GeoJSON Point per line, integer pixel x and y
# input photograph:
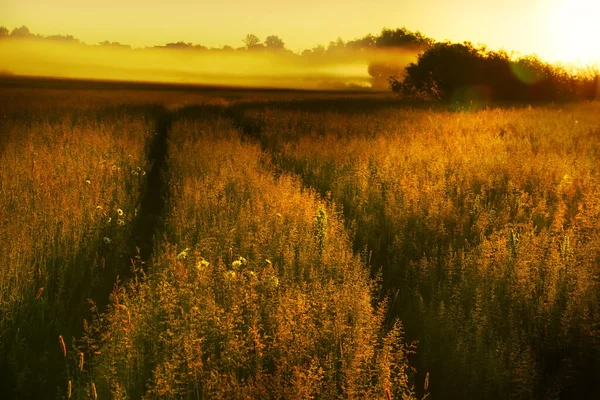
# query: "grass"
{"type": "Point", "coordinates": [255, 292]}
{"type": "Point", "coordinates": [70, 186]}
{"type": "Point", "coordinates": [484, 223]}
{"type": "Point", "coordinates": [295, 245]}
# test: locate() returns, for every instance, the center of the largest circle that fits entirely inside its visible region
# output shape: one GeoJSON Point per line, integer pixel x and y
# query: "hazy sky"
{"type": "Point", "coordinates": [555, 29]}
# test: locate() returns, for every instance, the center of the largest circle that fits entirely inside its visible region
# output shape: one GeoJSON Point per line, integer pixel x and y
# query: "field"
{"type": "Point", "coordinates": [167, 242]}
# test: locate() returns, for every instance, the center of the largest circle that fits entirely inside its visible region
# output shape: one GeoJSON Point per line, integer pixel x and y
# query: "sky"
{"type": "Point", "coordinates": [557, 30]}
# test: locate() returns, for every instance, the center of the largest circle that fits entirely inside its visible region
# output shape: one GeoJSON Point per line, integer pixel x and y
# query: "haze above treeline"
{"type": "Point", "coordinates": [362, 63]}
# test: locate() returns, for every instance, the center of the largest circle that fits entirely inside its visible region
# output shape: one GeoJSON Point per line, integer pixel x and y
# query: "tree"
{"type": "Point", "coordinates": [383, 73]}
{"type": "Point", "coordinates": [463, 72]}
{"type": "Point", "coordinates": [274, 43]}
{"type": "Point", "coordinates": [3, 32]}
{"type": "Point", "coordinates": [251, 41]}
{"type": "Point", "coordinates": [338, 45]}
{"type": "Point", "coordinates": [21, 32]}
{"type": "Point", "coordinates": [402, 37]}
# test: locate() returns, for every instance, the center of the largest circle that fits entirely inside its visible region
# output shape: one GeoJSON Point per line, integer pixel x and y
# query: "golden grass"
{"type": "Point", "coordinates": [252, 294]}
{"type": "Point", "coordinates": [485, 222]}
{"type": "Point", "coordinates": [62, 178]}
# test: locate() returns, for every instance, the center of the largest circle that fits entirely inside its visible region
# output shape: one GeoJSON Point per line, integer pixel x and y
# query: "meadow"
{"type": "Point", "coordinates": [212, 243]}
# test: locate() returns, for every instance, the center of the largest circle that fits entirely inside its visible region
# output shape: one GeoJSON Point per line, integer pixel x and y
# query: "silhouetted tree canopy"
{"type": "Point", "coordinates": [252, 41]}
{"type": "Point", "coordinates": [402, 37]}
{"type": "Point", "coordinates": [383, 72]}
{"type": "Point", "coordinates": [3, 31]}
{"type": "Point", "coordinates": [458, 72]}
{"type": "Point", "coordinates": [21, 32]}
{"type": "Point", "coordinates": [62, 38]}
{"type": "Point", "coordinates": [274, 43]}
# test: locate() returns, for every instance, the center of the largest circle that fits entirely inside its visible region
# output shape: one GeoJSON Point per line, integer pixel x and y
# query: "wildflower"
{"type": "Point", "coordinates": [183, 254]}
{"type": "Point", "coordinates": [202, 264]}
{"type": "Point", "coordinates": [243, 260]}
{"type": "Point", "coordinates": [120, 212]}
{"type": "Point", "coordinates": [108, 220]}
{"type": "Point", "coordinates": [120, 222]}
{"type": "Point", "coordinates": [88, 181]}
{"type": "Point", "coordinates": [143, 173]}
{"type": "Point", "coordinates": [98, 207]}
{"type": "Point", "coordinates": [139, 168]}
{"type": "Point", "coordinates": [114, 167]}
{"type": "Point", "coordinates": [135, 173]}
{"type": "Point", "coordinates": [269, 263]}
{"type": "Point", "coordinates": [236, 264]}
{"type": "Point", "coordinates": [230, 275]}
{"type": "Point", "coordinates": [251, 274]}
{"type": "Point", "coordinates": [106, 240]}
{"type": "Point", "coordinates": [279, 215]}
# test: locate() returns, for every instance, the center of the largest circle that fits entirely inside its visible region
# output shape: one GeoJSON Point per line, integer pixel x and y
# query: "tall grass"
{"type": "Point", "coordinates": [255, 292]}
{"type": "Point", "coordinates": [485, 224]}
{"type": "Point", "coordinates": [70, 182]}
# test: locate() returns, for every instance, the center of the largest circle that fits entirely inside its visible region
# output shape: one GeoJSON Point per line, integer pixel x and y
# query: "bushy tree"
{"type": "Point", "coordinates": [461, 71]}
{"type": "Point", "coordinates": [252, 42]}
{"type": "Point", "coordinates": [21, 32]}
{"type": "Point", "coordinates": [273, 42]}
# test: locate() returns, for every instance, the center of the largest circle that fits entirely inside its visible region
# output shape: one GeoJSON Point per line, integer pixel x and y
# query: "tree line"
{"type": "Point", "coordinates": [443, 71]}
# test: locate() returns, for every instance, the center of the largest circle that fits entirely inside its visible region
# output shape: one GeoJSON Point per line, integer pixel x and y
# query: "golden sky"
{"type": "Point", "coordinates": [564, 30]}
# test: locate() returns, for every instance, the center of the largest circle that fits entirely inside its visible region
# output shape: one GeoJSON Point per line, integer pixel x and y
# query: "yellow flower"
{"type": "Point", "coordinates": [202, 264]}
{"type": "Point", "coordinates": [88, 181]}
{"type": "Point", "coordinates": [120, 222]}
{"type": "Point", "coordinates": [230, 275]}
{"type": "Point", "coordinates": [120, 212]}
{"type": "Point", "coordinates": [183, 255]}
{"type": "Point", "coordinates": [236, 264]}
{"type": "Point", "coordinates": [106, 240]}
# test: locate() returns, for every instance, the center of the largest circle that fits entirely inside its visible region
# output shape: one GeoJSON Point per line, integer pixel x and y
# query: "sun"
{"type": "Point", "coordinates": [574, 27]}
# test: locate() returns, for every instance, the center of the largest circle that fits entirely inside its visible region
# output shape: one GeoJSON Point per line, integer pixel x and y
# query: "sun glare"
{"type": "Point", "coordinates": [575, 31]}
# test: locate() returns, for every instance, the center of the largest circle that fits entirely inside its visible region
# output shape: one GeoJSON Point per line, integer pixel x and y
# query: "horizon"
{"type": "Point", "coordinates": [559, 32]}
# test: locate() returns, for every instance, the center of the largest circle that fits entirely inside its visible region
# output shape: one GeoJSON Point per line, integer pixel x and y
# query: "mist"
{"type": "Point", "coordinates": [346, 69]}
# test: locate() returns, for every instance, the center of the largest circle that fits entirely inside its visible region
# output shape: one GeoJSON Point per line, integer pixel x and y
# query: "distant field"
{"type": "Point", "coordinates": [188, 242]}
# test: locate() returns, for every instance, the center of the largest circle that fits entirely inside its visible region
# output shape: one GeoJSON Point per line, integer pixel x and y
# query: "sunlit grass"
{"type": "Point", "coordinates": [254, 293]}
{"type": "Point", "coordinates": [484, 222]}
{"type": "Point", "coordinates": [63, 178]}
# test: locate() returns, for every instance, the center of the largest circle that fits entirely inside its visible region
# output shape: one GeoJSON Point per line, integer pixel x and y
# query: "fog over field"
{"type": "Point", "coordinates": [250, 68]}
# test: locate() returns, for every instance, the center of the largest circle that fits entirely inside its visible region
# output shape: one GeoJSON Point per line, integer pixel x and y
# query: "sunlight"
{"type": "Point", "coordinates": [575, 30]}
